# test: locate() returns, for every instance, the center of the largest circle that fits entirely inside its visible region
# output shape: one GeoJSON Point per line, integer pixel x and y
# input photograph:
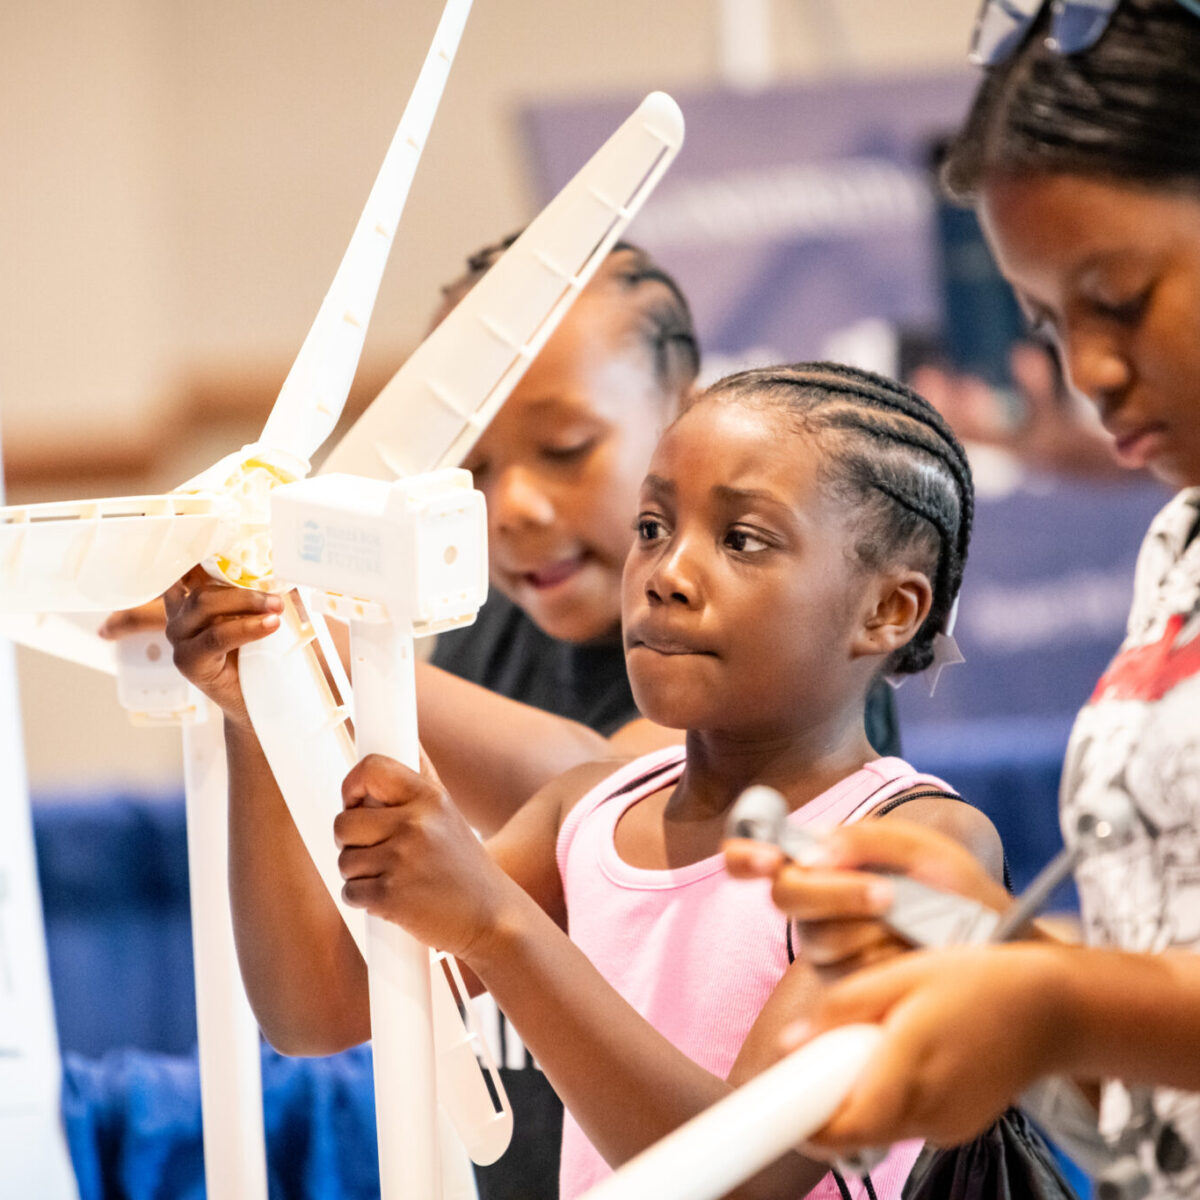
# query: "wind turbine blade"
{"type": "Point", "coordinates": [315, 390]}
{"type": "Point", "coordinates": [100, 555]}
{"type": "Point", "coordinates": [303, 734]}
{"type": "Point", "coordinates": [442, 399]}
{"type": "Point", "coordinates": [52, 633]}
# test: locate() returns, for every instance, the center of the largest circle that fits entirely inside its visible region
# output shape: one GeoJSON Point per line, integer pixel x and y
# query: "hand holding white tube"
{"type": "Point", "coordinates": [928, 1078]}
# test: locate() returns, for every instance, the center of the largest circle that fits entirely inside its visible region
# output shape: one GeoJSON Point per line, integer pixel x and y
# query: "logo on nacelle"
{"type": "Point", "coordinates": [312, 542]}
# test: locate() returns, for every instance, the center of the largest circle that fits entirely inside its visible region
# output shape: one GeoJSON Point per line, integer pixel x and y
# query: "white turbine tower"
{"type": "Point", "coordinates": [32, 1147]}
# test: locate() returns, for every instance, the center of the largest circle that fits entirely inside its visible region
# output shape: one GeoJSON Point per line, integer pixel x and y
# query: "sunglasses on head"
{"type": "Point", "coordinates": [1075, 26]}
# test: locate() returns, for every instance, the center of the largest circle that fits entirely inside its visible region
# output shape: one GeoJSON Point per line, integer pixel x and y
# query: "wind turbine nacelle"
{"type": "Point", "coordinates": [413, 552]}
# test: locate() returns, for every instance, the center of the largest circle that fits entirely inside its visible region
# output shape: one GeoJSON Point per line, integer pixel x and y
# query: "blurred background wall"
{"type": "Point", "coordinates": [181, 181]}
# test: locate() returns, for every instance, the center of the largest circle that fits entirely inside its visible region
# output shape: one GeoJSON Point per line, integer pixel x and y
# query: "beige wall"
{"type": "Point", "coordinates": [181, 180]}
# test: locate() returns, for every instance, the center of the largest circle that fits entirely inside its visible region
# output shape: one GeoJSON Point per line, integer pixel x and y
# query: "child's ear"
{"type": "Point", "coordinates": [897, 604]}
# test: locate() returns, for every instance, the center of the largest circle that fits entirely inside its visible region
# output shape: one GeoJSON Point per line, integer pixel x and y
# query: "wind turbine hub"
{"type": "Point", "coordinates": [247, 477]}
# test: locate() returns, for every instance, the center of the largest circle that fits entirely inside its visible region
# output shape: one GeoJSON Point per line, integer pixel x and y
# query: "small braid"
{"type": "Point", "coordinates": [941, 442]}
{"type": "Point", "coordinates": [667, 323]}
{"type": "Point", "coordinates": [665, 318]}
{"type": "Point", "coordinates": [892, 456]}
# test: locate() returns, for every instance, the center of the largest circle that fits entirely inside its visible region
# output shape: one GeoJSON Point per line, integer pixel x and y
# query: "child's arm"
{"type": "Point", "coordinates": [299, 963]}
{"type": "Point", "coordinates": [408, 857]}
{"type": "Point", "coordinates": [969, 1029]}
{"type": "Point", "coordinates": [303, 973]}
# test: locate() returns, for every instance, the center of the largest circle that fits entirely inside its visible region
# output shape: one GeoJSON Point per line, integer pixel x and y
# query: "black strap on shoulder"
{"type": "Point", "coordinates": [895, 803]}
{"type": "Point", "coordinates": [843, 1188]}
{"type": "Point", "coordinates": [645, 777]}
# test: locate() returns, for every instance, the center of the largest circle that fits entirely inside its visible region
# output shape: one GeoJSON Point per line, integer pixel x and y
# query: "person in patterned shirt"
{"type": "Point", "coordinates": [1081, 155]}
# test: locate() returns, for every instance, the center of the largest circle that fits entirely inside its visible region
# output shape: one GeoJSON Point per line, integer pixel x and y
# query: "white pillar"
{"type": "Point", "coordinates": [33, 1151]}
{"type": "Point", "coordinates": [235, 1159]}
{"type": "Point", "coordinates": [744, 52]}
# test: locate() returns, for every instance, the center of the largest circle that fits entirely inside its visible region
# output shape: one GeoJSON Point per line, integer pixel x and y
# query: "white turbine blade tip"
{"type": "Point", "coordinates": [451, 386]}
{"type": "Point", "coordinates": [663, 117]}
{"type": "Point", "coordinates": [296, 424]}
{"type": "Point", "coordinates": [56, 635]}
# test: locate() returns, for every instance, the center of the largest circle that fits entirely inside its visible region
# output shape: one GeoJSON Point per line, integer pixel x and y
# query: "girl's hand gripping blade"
{"type": "Point", "coordinates": [469, 1086]}
{"type": "Point", "coordinates": [315, 391]}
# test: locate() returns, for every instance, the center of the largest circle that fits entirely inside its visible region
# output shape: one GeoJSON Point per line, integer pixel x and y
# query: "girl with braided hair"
{"type": "Point", "coordinates": [559, 467]}
{"type": "Point", "coordinates": [801, 533]}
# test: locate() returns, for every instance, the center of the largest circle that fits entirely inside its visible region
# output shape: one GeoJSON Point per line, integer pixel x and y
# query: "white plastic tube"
{"type": "Point", "coordinates": [383, 676]}
{"type": "Point", "coordinates": [235, 1163]}
{"type": "Point", "coordinates": [739, 1136]}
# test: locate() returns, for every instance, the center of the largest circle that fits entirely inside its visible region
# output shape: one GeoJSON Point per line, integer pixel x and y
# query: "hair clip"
{"type": "Point", "coordinates": [945, 649]}
{"type": "Point", "coordinates": [945, 653]}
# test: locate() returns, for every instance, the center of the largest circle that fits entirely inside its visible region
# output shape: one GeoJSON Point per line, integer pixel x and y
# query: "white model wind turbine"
{"type": "Point", "coordinates": [97, 555]}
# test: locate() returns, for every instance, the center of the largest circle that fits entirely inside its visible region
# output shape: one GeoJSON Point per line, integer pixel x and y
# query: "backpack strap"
{"type": "Point", "coordinates": [636, 782]}
{"type": "Point", "coordinates": [844, 1188]}
{"type": "Point", "coordinates": [895, 802]}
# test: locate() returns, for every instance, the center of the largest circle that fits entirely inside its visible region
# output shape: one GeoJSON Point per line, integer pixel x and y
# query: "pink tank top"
{"type": "Point", "coordinates": [658, 935]}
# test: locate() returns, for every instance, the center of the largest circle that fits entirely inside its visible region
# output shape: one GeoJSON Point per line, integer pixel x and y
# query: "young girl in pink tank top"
{"type": "Point", "coordinates": [802, 531]}
{"type": "Point", "coordinates": [655, 935]}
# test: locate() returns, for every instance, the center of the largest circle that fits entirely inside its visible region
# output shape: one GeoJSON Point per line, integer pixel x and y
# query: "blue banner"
{"type": "Point", "coordinates": [801, 223]}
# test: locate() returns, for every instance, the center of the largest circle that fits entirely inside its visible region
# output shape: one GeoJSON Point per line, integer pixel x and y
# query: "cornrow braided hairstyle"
{"type": "Point", "coordinates": [890, 455]}
{"type": "Point", "coordinates": [664, 318]}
